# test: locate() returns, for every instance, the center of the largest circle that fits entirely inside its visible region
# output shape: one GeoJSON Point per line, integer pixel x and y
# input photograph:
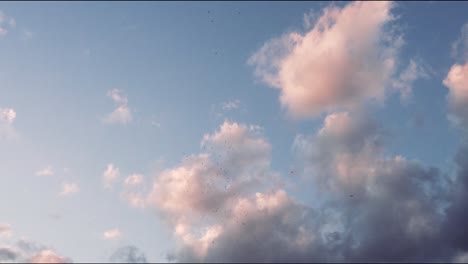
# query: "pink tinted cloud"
{"type": "Point", "coordinates": [348, 57]}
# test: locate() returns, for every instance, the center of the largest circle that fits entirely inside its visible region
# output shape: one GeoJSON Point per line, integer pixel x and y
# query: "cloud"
{"type": "Point", "coordinates": [460, 46]}
{"type": "Point", "coordinates": [48, 256]}
{"type": "Point", "coordinates": [48, 171]}
{"type": "Point", "coordinates": [8, 254]}
{"type": "Point", "coordinates": [6, 23]}
{"type": "Point", "coordinates": [457, 82]}
{"type": "Point", "coordinates": [69, 189]}
{"type": "Point", "coordinates": [7, 117]}
{"type": "Point", "coordinates": [5, 230]}
{"type": "Point", "coordinates": [368, 190]}
{"type": "Point", "coordinates": [25, 251]}
{"type": "Point", "coordinates": [231, 105]}
{"type": "Point", "coordinates": [407, 77]}
{"type": "Point", "coordinates": [110, 175]}
{"type": "Point", "coordinates": [122, 114]}
{"type": "Point", "coordinates": [347, 58]}
{"type": "Point", "coordinates": [112, 234]}
{"type": "Point", "coordinates": [134, 188]}
{"type": "Point", "coordinates": [128, 254]}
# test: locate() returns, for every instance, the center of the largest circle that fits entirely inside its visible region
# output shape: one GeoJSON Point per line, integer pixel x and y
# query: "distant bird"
{"type": "Point", "coordinates": [351, 195]}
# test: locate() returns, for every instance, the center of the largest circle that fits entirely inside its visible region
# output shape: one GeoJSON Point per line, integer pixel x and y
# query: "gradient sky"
{"type": "Point", "coordinates": [144, 85]}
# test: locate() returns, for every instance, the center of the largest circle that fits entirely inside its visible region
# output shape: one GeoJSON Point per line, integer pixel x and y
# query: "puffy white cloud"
{"type": "Point", "coordinates": [110, 175]}
{"type": "Point", "coordinates": [122, 114]}
{"type": "Point", "coordinates": [349, 56]}
{"type": "Point", "coordinates": [112, 234]}
{"type": "Point", "coordinates": [457, 81]}
{"type": "Point", "coordinates": [69, 189]}
{"type": "Point", "coordinates": [48, 171]}
{"type": "Point", "coordinates": [5, 230]}
{"type": "Point", "coordinates": [134, 180]}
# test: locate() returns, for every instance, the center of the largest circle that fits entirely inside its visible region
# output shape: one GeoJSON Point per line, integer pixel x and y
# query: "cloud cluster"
{"type": "Point", "coordinates": [122, 114]}
{"type": "Point", "coordinates": [348, 57]}
{"type": "Point", "coordinates": [25, 251]}
{"type": "Point", "coordinates": [6, 23]}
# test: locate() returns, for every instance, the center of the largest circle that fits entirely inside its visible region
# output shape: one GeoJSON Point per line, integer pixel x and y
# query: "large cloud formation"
{"type": "Point", "coordinates": [457, 214]}
{"type": "Point", "coordinates": [222, 207]}
{"type": "Point", "coordinates": [223, 204]}
{"type": "Point", "coordinates": [348, 57]}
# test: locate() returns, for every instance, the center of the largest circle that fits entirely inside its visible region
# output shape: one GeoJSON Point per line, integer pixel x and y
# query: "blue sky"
{"type": "Point", "coordinates": [176, 64]}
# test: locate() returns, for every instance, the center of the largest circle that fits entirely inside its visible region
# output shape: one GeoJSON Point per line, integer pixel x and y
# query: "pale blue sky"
{"type": "Point", "coordinates": [177, 68]}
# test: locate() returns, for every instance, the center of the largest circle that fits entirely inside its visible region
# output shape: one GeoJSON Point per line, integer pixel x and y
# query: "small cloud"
{"type": "Point", "coordinates": [110, 175]}
{"type": "Point", "coordinates": [118, 96]}
{"type": "Point", "coordinates": [122, 114]}
{"type": "Point", "coordinates": [112, 234]}
{"type": "Point", "coordinates": [5, 230]}
{"type": "Point", "coordinates": [128, 254]}
{"type": "Point", "coordinates": [45, 172]}
{"type": "Point", "coordinates": [6, 23]}
{"type": "Point", "coordinates": [134, 180]}
{"type": "Point", "coordinates": [407, 77]}
{"type": "Point", "coordinates": [7, 117]}
{"type": "Point", "coordinates": [69, 189]}
{"type": "Point", "coordinates": [231, 105]}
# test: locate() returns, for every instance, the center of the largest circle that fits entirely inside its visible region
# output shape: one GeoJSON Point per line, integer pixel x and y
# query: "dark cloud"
{"type": "Point", "coordinates": [128, 254]}
{"type": "Point", "coordinates": [26, 251]}
{"type": "Point", "coordinates": [8, 254]}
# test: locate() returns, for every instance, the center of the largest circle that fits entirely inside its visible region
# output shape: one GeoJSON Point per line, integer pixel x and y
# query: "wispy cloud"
{"type": "Point", "coordinates": [122, 114]}
{"type": "Point", "coordinates": [69, 189]}
{"type": "Point", "coordinates": [48, 171]}
{"type": "Point", "coordinates": [5, 230]}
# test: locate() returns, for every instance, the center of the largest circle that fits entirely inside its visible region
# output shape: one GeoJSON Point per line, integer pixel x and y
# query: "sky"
{"type": "Point", "coordinates": [233, 131]}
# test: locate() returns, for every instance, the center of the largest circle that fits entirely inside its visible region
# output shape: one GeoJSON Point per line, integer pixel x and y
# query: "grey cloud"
{"type": "Point", "coordinates": [128, 254]}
